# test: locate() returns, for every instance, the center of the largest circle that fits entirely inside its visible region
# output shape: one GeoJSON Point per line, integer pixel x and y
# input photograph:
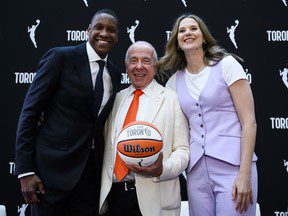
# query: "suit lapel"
{"type": "Point", "coordinates": [83, 71]}
{"type": "Point", "coordinates": [155, 102]}
{"type": "Point", "coordinates": [115, 118]}
{"type": "Point", "coordinates": [113, 74]}
{"type": "Point", "coordinates": [115, 87]}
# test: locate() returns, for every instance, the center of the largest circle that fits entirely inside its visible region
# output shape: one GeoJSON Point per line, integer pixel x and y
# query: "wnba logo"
{"type": "Point", "coordinates": [286, 165]}
{"type": "Point", "coordinates": [284, 2]}
{"type": "Point", "coordinates": [231, 32]}
{"type": "Point", "coordinates": [131, 31]}
{"type": "Point", "coordinates": [85, 2]}
{"type": "Point", "coordinates": [31, 31]}
{"type": "Point", "coordinates": [284, 75]}
{"type": "Point", "coordinates": [184, 3]}
{"type": "Point", "coordinates": [21, 209]}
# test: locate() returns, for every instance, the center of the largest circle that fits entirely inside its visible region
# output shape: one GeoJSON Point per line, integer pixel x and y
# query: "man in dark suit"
{"type": "Point", "coordinates": [59, 163]}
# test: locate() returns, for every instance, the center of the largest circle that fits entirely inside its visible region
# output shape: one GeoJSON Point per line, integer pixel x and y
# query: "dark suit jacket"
{"type": "Point", "coordinates": [62, 90]}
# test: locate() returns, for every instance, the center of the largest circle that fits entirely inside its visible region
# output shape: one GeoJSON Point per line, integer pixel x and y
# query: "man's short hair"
{"type": "Point", "coordinates": [107, 11]}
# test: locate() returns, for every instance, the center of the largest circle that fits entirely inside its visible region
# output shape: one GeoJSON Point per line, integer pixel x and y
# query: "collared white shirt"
{"type": "Point", "coordinates": [144, 101]}
{"type": "Point", "coordinates": [94, 68]}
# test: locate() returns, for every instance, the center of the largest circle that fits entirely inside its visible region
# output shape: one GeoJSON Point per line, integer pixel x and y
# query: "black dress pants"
{"type": "Point", "coordinates": [82, 200]}
{"type": "Point", "coordinates": [122, 200]}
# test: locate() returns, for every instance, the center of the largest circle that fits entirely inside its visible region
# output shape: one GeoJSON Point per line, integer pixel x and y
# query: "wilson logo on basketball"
{"type": "Point", "coordinates": [137, 149]}
{"type": "Point", "coordinates": [139, 143]}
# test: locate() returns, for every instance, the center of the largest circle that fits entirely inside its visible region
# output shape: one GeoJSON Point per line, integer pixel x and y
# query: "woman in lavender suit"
{"type": "Point", "coordinates": [217, 100]}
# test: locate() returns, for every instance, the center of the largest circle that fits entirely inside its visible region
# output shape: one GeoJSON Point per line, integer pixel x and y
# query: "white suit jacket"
{"type": "Point", "coordinates": [156, 196]}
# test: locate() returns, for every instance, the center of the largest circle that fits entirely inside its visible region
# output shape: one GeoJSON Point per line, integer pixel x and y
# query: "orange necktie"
{"type": "Point", "coordinates": [120, 169]}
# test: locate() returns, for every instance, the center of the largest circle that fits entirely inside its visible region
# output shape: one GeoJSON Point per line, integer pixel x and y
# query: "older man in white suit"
{"type": "Point", "coordinates": [153, 190]}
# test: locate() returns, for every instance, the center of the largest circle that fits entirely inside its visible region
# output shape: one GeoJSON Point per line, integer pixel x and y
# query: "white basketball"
{"type": "Point", "coordinates": [139, 143]}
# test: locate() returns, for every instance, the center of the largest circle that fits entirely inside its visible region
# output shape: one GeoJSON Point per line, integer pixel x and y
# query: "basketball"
{"type": "Point", "coordinates": [139, 143]}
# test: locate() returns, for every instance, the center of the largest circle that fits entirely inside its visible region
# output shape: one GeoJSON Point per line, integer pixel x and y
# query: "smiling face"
{"type": "Point", "coordinates": [189, 36]}
{"type": "Point", "coordinates": [141, 67]}
{"type": "Point", "coordinates": [102, 34]}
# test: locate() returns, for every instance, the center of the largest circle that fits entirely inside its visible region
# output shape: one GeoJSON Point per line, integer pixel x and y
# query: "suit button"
{"type": "Point", "coordinates": [201, 125]}
{"type": "Point", "coordinates": [202, 146]}
{"type": "Point", "coordinates": [197, 104]}
{"type": "Point", "coordinates": [199, 115]}
{"type": "Point", "coordinates": [202, 136]}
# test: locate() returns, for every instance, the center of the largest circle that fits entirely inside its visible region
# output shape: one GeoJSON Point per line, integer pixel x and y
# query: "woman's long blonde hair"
{"type": "Point", "coordinates": [174, 58]}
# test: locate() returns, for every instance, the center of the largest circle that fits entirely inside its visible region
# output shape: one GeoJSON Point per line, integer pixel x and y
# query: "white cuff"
{"type": "Point", "coordinates": [25, 174]}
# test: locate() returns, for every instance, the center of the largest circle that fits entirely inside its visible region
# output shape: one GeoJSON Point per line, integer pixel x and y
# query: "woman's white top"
{"type": "Point", "coordinates": [232, 71]}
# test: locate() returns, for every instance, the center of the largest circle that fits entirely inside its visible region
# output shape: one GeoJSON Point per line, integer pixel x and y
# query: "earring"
{"type": "Point", "coordinates": [204, 42]}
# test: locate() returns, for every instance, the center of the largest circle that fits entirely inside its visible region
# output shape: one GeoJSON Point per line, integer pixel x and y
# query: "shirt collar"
{"type": "Point", "coordinates": [147, 91]}
{"type": "Point", "coordinates": [92, 55]}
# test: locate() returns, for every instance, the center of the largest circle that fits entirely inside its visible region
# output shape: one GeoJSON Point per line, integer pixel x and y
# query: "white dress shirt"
{"type": "Point", "coordinates": [94, 67]}
{"type": "Point", "coordinates": [144, 100]}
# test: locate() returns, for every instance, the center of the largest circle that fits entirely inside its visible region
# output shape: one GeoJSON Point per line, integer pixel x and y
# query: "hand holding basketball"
{"type": "Point", "coordinates": [154, 170]}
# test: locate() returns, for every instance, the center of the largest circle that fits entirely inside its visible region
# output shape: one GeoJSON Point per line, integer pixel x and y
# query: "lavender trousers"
{"type": "Point", "coordinates": [209, 188]}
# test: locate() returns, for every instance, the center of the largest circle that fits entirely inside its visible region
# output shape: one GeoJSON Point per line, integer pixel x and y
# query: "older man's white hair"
{"type": "Point", "coordinates": [127, 56]}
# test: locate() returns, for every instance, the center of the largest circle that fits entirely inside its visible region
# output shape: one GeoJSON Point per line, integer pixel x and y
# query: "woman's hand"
{"type": "Point", "coordinates": [242, 191]}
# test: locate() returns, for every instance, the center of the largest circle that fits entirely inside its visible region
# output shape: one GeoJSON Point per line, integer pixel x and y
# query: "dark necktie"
{"type": "Point", "coordinates": [99, 88]}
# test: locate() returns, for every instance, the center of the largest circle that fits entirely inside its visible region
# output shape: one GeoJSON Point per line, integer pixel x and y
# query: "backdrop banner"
{"type": "Point", "coordinates": [255, 30]}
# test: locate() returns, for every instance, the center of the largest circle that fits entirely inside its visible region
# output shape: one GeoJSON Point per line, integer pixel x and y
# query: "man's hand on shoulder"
{"type": "Point", "coordinates": [30, 186]}
{"type": "Point", "coordinates": [154, 170]}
